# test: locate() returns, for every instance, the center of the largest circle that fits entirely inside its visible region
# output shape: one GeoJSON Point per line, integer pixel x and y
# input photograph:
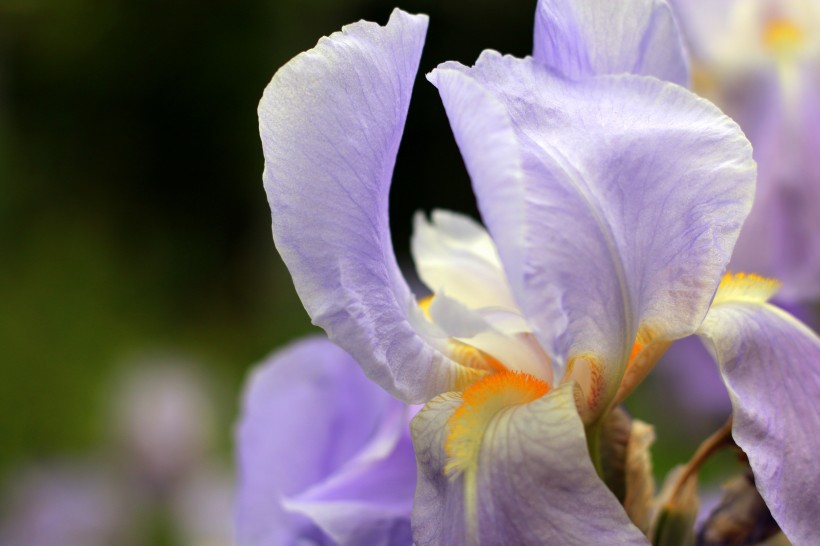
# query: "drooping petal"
{"type": "Point", "coordinates": [331, 121]}
{"type": "Point", "coordinates": [314, 436]}
{"type": "Point", "coordinates": [622, 199]}
{"type": "Point", "coordinates": [770, 363]}
{"type": "Point", "coordinates": [528, 479]}
{"type": "Point", "coordinates": [367, 502]}
{"type": "Point", "coordinates": [583, 38]}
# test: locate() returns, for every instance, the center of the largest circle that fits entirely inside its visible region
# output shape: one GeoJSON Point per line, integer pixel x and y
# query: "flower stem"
{"type": "Point", "coordinates": [594, 446]}
{"type": "Point", "coordinates": [720, 439]}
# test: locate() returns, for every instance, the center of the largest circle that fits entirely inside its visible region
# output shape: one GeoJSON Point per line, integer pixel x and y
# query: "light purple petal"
{"type": "Point", "coordinates": [616, 205]}
{"type": "Point", "coordinates": [315, 430]}
{"type": "Point", "coordinates": [771, 366]}
{"type": "Point", "coordinates": [331, 121]}
{"type": "Point", "coordinates": [366, 504]}
{"type": "Point", "coordinates": [583, 38]}
{"type": "Point", "coordinates": [490, 148]}
{"type": "Point", "coordinates": [535, 482]}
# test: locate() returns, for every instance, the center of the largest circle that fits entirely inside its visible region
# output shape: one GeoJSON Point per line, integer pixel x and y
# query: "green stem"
{"type": "Point", "coordinates": [594, 446]}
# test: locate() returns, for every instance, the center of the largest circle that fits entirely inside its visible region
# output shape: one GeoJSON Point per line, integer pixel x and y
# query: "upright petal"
{"type": "Point", "coordinates": [331, 121]}
{"type": "Point", "coordinates": [314, 437]}
{"type": "Point", "coordinates": [770, 363]}
{"type": "Point", "coordinates": [582, 38]}
{"type": "Point", "coordinates": [490, 148]}
{"type": "Point", "coordinates": [624, 194]}
{"type": "Point", "coordinates": [531, 481]}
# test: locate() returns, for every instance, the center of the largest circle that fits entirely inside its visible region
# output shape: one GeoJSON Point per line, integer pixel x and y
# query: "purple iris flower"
{"type": "Point", "coordinates": [612, 199]}
{"type": "Point", "coordinates": [324, 455]}
{"type": "Point", "coordinates": [759, 60]}
{"type": "Point", "coordinates": [67, 504]}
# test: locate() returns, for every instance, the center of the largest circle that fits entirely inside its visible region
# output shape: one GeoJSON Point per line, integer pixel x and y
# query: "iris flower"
{"type": "Point", "coordinates": [759, 60]}
{"type": "Point", "coordinates": [612, 198]}
{"type": "Point", "coordinates": [324, 455]}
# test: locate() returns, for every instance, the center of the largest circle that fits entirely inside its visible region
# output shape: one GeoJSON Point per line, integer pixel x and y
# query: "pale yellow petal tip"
{"type": "Point", "coordinates": [424, 305]}
{"type": "Point", "coordinates": [745, 287]}
{"type": "Point", "coordinates": [481, 402]}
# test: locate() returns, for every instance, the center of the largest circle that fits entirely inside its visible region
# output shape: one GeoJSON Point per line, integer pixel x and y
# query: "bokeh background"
{"type": "Point", "coordinates": [135, 237]}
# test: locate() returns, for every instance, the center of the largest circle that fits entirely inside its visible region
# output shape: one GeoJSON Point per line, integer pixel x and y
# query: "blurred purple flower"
{"type": "Point", "coordinates": [164, 424]}
{"type": "Point", "coordinates": [324, 455]}
{"type": "Point", "coordinates": [63, 505]}
{"type": "Point", "coordinates": [162, 472]}
{"type": "Point", "coordinates": [163, 420]}
{"type": "Point", "coordinates": [612, 201]}
{"type": "Point", "coordinates": [759, 60]}
{"type": "Point", "coordinates": [201, 508]}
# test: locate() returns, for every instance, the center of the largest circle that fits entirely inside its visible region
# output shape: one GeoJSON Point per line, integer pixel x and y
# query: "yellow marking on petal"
{"type": "Point", "coordinates": [745, 287]}
{"type": "Point", "coordinates": [649, 347]}
{"type": "Point", "coordinates": [646, 336]}
{"type": "Point", "coordinates": [782, 37]}
{"type": "Point", "coordinates": [424, 305]}
{"type": "Point", "coordinates": [482, 402]}
{"type": "Point", "coordinates": [636, 350]}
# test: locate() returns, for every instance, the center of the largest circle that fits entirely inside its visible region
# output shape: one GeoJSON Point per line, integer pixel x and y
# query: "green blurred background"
{"type": "Point", "coordinates": [132, 214]}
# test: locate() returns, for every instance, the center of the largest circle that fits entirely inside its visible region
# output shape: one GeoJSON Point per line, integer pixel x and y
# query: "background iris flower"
{"type": "Point", "coordinates": [324, 455]}
{"type": "Point", "coordinates": [612, 201]}
{"type": "Point", "coordinates": [759, 60]}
